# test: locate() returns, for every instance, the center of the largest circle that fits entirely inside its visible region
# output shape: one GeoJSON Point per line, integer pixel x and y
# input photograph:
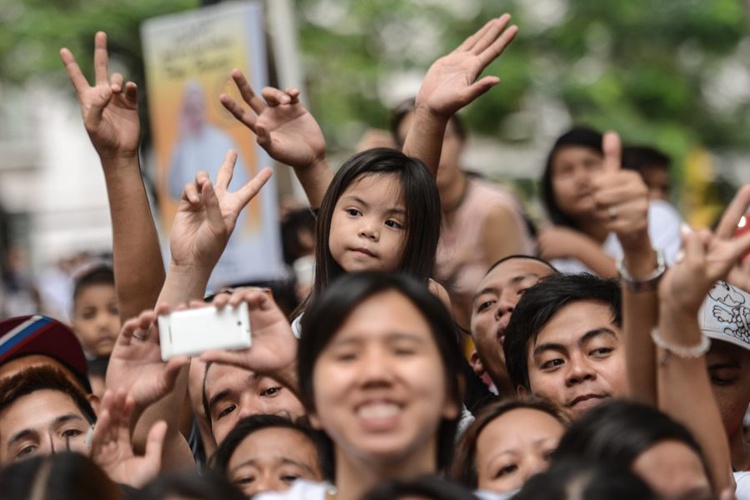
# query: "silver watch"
{"type": "Point", "coordinates": [650, 282]}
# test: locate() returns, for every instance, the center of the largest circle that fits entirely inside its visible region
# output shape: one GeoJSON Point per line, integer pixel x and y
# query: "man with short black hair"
{"type": "Point", "coordinates": [564, 342]}
{"type": "Point", "coordinates": [42, 412]}
{"type": "Point", "coordinates": [492, 305]}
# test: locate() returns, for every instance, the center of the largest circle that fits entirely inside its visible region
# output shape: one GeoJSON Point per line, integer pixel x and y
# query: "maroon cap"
{"type": "Point", "coordinates": [25, 335]}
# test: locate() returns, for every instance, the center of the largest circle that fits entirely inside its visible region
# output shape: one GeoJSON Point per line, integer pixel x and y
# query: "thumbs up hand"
{"type": "Point", "coordinates": [621, 198]}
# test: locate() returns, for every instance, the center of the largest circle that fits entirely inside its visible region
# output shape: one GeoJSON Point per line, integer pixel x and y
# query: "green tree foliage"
{"type": "Point", "coordinates": [33, 31]}
{"type": "Point", "coordinates": [670, 72]}
{"type": "Point", "coordinates": [658, 71]}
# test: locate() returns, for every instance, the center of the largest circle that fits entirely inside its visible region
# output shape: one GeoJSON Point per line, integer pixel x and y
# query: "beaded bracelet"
{"type": "Point", "coordinates": [692, 352]}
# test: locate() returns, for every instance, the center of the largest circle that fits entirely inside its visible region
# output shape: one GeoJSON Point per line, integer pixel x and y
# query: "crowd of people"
{"type": "Point", "coordinates": [609, 349]}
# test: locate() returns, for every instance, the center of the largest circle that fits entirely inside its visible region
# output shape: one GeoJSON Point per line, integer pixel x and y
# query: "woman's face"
{"type": "Point", "coordinates": [515, 446]}
{"type": "Point", "coordinates": [272, 459]}
{"type": "Point", "coordinates": [573, 169]}
{"type": "Point", "coordinates": [380, 385]}
{"type": "Point", "coordinates": [673, 470]}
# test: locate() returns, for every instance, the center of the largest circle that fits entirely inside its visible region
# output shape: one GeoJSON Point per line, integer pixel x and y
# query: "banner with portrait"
{"type": "Point", "coordinates": [188, 59]}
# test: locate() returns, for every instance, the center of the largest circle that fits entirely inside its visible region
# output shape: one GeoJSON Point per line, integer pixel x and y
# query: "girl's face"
{"type": "Point", "coordinates": [272, 459]}
{"type": "Point", "coordinates": [573, 169]}
{"type": "Point", "coordinates": [673, 470]}
{"type": "Point", "coordinates": [368, 227]}
{"type": "Point", "coordinates": [380, 385]}
{"type": "Point", "coordinates": [515, 446]}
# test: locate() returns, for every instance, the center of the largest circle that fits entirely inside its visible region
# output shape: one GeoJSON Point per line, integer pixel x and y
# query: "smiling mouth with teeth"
{"type": "Point", "coordinates": [378, 410]}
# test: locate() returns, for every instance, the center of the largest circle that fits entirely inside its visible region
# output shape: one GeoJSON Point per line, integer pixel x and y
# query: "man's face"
{"type": "Point", "coordinates": [496, 298]}
{"type": "Point", "coordinates": [41, 423]}
{"type": "Point", "coordinates": [234, 393]}
{"type": "Point", "coordinates": [729, 369]}
{"type": "Point", "coordinates": [577, 360]}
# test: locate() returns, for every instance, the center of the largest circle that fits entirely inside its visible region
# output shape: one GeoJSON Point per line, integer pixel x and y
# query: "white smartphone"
{"type": "Point", "coordinates": [193, 331]}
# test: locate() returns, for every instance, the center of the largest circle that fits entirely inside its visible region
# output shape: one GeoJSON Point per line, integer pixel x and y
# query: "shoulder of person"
{"type": "Point", "coordinates": [660, 211]}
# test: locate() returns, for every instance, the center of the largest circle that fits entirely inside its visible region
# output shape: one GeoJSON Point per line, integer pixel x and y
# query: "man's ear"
{"type": "Point", "coordinates": [476, 363]}
{"type": "Point", "coordinates": [95, 402]}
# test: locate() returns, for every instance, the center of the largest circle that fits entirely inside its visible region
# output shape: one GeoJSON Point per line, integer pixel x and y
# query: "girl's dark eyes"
{"type": "Point", "coordinates": [353, 212]}
{"type": "Point", "coordinates": [394, 224]}
{"type": "Point", "coordinates": [289, 478]}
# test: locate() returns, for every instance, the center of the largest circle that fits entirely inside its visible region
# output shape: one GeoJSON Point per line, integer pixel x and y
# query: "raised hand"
{"type": "Point", "coordinates": [207, 215]}
{"type": "Point", "coordinates": [451, 82]}
{"type": "Point", "coordinates": [274, 348]}
{"type": "Point", "coordinates": [621, 197]}
{"type": "Point", "coordinates": [111, 446]}
{"type": "Point", "coordinates": [706, 258]}
{"type": "Point", "coordinates": [283, 127]}
{"type": "Point", "coordinates": [136, 367]}
{"type": "Point", "coordinates": [739, 274]}
{"type": "Point", "coordinates": [109, 108]}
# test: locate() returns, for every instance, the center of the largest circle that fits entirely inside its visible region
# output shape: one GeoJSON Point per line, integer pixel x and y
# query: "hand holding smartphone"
{"type": "Point", "coordinates": [194, 331]}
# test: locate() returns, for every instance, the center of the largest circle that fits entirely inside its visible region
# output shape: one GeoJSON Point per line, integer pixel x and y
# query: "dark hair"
{"type": "Point", "coordinates": [618, 432]}
{"type": "Point", "coordinates": [207, 486]}
{"type": "Point", "coordinates": [576, 137]}
{"type": "Point", "coordinates": [407, 106]}
{"type": "Point", "coordinates": [520, 256]}
{"type": "Point", "coordinates": [464, 468]}
{"type": "Point", "coordinates": [643, 157]}
{"type": "Point", "coordinates": [38, 378]}
{"type": "Point", "coordinates": [432, 487]}
{"type": "Point", "coordinates": [422, 203]}
{"type": "Point", "coordinates": [247, 426]}
{"type": "Point", "coordinates": [61, 476]}
{"type": "Point", "coordinates": [541, 303]}
{"type": "Point", "coordinates": [101, 274]}
{"type": "Point", "coordinates": [325, 316]}
{"type": "Point", "coordinates": [585, 480]}
{"type": "Point", "coordinates": [293, 223]}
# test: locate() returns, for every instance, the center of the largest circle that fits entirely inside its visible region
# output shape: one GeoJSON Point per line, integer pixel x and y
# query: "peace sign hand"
{"type": "Point", "coordinates": [109, 108]}
{"type": "Point", "coordinates": [283, 127]}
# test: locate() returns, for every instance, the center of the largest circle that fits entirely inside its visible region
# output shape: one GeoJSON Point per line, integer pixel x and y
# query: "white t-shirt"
{"type": "Point", "coordinates": [300, 490]}
{"type": "Point", "coordinates": [664, 223]}
{"type": "Point", "coordinates": [742, 492]}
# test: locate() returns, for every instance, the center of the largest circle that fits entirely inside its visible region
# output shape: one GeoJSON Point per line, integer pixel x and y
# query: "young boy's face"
{"type": "Point", "coordinates": [577, 360]}
{"type": "Point", "coordinates": [96, 319]}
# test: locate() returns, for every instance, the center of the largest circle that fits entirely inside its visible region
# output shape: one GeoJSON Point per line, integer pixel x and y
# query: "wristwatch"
{"type": "Point", "coordinates": [650, 282]}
